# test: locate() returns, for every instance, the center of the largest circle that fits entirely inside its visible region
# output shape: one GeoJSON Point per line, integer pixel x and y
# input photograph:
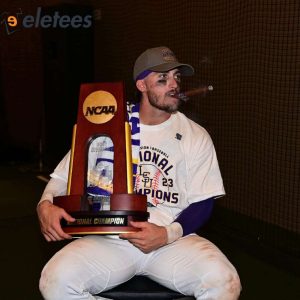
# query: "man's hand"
{"type": "Point", "coordinates": [49, 217]}
{"type": "Point", "coordinates": [150, 236]}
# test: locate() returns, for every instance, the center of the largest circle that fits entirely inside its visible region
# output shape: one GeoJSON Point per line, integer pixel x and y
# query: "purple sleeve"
{"type": "Point", "coordinates": [195, 215]}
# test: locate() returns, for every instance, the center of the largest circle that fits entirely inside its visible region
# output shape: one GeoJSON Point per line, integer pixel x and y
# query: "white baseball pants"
{"type": "Point", "coordinates": [192, 265]}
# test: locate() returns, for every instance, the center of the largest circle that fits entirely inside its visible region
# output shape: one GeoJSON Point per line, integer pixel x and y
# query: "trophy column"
{"type": "Point", "coordinates": [100, 193]}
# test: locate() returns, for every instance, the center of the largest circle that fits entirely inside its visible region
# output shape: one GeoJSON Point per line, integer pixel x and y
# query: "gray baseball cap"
{"type": "Point", "coordinates": [159, 59]}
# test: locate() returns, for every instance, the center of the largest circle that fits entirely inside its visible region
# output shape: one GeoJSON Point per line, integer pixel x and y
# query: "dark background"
{"type": "Point", "coordinates": [248, 50]}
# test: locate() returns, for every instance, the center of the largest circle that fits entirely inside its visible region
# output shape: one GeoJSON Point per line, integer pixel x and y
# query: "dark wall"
{"type": "Point", "coordinates": [41, 71]}
{"type": "Point", "coordinates": [68, 61]}
{"type": "Point", "coordinates": [21, 87]}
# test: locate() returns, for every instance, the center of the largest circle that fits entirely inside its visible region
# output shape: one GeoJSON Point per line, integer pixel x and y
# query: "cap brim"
{"type": "Point", "coordinates": [185, 69]}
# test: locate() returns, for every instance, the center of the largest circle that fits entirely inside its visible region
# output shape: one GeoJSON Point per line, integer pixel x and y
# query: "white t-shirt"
{"type": "Point", "coordinates": [177, 166]}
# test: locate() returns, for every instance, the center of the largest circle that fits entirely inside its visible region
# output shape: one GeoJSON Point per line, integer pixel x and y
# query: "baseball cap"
{"type": "Point", "coordinates": [159, 59]}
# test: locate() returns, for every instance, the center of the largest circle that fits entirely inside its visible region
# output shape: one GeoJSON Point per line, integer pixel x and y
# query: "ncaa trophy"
{"type": "Point", "coordinates": [100, 184]}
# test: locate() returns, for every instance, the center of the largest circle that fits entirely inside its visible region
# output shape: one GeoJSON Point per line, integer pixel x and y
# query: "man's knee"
{"type": "Point", "coordinates": [232, 287]}
{"type": "Point", "coordinates": [59, 280]}
{"type": "Point", "coordinates": [221, 283]}
{"type": "Point", "coordinates": [52, 284]}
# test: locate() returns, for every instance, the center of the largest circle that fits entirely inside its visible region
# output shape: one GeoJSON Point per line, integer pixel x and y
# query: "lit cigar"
{"type": "Point", "coordinates": [202, 91]}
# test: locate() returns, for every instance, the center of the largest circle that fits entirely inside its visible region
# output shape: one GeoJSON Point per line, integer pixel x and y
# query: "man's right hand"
{"type": "Point", "coordinates": [50, 216]}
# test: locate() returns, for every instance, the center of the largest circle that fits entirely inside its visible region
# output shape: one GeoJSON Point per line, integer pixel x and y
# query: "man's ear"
{"type": "Point", "coordinates": [140, 84]}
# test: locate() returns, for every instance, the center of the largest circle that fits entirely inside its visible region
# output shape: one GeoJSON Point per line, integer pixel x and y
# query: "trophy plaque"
{"type": "Point", "coordinates": [100, 185]}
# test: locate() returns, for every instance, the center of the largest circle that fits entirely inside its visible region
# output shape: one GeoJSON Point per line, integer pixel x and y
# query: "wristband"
{"type": "Point", "coordinates": [174, 232]}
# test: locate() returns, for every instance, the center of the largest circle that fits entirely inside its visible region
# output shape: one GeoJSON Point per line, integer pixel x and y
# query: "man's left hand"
{"type": "Point", "coordinates": [149, 237]}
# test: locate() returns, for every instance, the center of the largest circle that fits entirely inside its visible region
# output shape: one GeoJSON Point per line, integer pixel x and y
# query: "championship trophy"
{"type": "Point", "coordinates": [100, 185]}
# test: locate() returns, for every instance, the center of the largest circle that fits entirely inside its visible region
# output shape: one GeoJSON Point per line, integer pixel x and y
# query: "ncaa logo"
{"type": "Point", "coordinates": [99, 107]}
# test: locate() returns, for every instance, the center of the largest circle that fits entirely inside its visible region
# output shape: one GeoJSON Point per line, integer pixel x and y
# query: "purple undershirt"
{"type": "Point", "coordinates": [195, 215]}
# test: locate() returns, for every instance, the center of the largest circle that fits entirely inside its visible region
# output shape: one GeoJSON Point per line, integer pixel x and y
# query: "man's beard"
{"type": "Point", "coordinates": [169, 108]}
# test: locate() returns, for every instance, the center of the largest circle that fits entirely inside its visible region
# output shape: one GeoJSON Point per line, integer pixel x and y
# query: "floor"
{"type": "Point", "coordinates": [24, 251]}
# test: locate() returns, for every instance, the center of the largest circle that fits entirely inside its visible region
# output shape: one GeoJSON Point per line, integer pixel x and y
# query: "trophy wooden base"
{"type": "Point", "coordinates": [103, 222]}
{"type": "Point", "coordinates": [124, 209]}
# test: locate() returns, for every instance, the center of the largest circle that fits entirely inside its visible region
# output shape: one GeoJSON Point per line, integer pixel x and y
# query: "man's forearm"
{"type": "Point", "coordinates": [55, 187]}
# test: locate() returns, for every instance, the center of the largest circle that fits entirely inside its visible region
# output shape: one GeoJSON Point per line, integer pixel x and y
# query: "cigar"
{"type": "Point", "coordinates": [202, 91]}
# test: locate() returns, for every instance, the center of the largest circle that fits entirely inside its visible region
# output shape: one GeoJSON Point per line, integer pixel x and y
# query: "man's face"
{"type": "Point", "coordinates": [162, 90]}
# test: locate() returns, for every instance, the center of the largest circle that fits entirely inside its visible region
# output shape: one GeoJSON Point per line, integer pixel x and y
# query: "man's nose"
{"type": "Point", "coordinates": [173, 83]}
